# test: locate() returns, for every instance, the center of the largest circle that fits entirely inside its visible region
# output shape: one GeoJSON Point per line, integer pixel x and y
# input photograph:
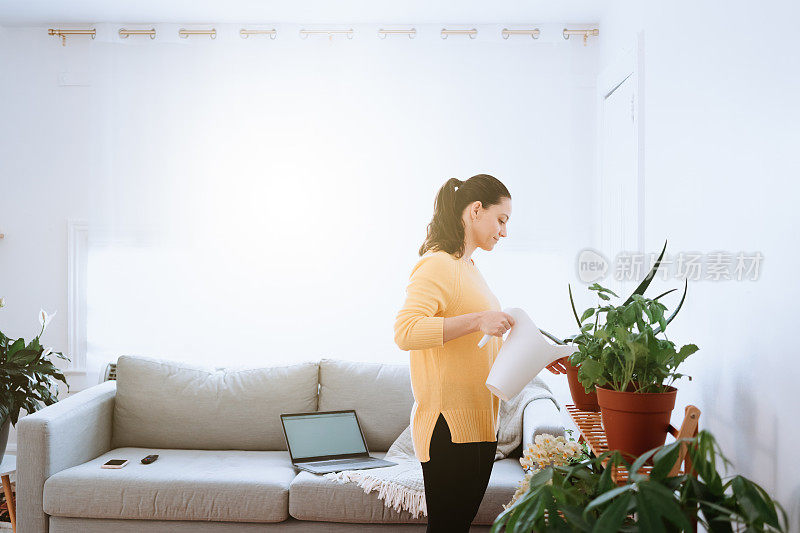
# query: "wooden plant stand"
{"type": "Point", "coordinates": [591, 429]}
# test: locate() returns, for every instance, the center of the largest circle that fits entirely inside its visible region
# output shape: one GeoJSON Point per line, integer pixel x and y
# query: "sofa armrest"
{"type": "Point", "coordinates": [68, 433]}
{"type": "Point", "coordinates": [541, 416]}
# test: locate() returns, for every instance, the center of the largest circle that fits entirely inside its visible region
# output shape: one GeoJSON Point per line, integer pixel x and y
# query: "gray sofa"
{"type": "Point", "coordinates": [223, 464]}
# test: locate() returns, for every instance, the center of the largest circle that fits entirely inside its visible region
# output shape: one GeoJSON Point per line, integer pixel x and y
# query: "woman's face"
{"type": "Point", "coordinates": [488, 226]}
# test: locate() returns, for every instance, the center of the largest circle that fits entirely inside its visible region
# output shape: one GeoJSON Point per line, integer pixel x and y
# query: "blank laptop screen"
{"type": "Point", "coordinates": [323, 434]}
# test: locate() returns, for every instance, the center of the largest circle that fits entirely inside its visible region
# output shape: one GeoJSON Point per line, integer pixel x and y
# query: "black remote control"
{"type": "Point", "coordinates": [149, 459]}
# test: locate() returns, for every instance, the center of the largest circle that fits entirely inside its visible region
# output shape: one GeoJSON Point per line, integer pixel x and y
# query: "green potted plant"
{"type": "Point", "coordinates": [583, 496]}
{"type": "Point", "coordinates": [632, 370]}
{"type": "Point", "coordinates": [627, 365]}
{"type": "Point", "coordinates": [26, 377]}
{"type": "Point", "coordinates": [596, 344]}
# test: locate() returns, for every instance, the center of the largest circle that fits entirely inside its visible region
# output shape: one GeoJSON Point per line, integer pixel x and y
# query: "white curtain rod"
{"type": "Point", "coordinates": [304, 33]}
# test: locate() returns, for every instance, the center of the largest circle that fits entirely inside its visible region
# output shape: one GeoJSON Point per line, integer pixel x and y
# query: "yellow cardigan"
{"type": "Point", "coordinates": [447, 378]}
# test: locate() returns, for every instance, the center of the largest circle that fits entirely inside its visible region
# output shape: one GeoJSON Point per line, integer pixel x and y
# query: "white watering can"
{"type": "Point", "coordinates": [524, 354]}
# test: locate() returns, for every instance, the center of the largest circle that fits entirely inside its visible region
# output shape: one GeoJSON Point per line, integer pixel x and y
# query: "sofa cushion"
{"type": "Point", "coordinates": [224, 485]}
{"type": "Point", "coordinates": [315, 498]}
{"type": "Point", "coordinates": [168, 404]}
{"type": "Point", "coordinates": [380, 393]}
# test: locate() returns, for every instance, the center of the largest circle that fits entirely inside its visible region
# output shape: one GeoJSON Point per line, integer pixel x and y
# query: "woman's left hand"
{"type": "Point", "coordinates": [559, 366]}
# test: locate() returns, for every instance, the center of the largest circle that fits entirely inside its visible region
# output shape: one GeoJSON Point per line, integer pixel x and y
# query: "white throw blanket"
{"type": "Point", "coordinates": [402, 487]}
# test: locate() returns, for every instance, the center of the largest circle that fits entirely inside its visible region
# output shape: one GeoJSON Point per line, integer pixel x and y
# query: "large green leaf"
{"type": "Point", "coordinates": [574, 515]}
{"type": "Point", "coordinates": [639, 463]}
{"type": "Point", "coordinates": [608, 496]}
{"type": "Point", "coordinates": [16, 346]}
{"type": "Point", "coordinates": [649, 518]}
{"type": "Point", "coordinates": [664, 503]}
{"type": "Point", "coordinates": [612, 518]}
{"type": "Point", "coordinates": [664, 460]}
{"type": "Point", "coordinates": [26, 355]}
{"type": "Point", "coordinates": [752, 503]}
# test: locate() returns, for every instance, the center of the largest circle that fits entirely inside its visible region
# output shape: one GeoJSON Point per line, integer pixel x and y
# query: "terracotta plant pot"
{"type": "Point", "coordinates": [582, 400]}
{"type": "Point", "coordinates": [635, 422]}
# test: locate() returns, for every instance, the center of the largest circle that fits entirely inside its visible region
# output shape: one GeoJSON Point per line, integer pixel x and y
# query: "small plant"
{"type": "Point", "coordinates": [583, 496]}
{"type": "Point", "coordinates": [27, 374]}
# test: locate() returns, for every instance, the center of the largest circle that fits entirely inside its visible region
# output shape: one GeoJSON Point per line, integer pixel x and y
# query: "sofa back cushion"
{"type": "Point", "coordinates": [380, 393]}
{"type": "Point", "coordinates": [169, 404]}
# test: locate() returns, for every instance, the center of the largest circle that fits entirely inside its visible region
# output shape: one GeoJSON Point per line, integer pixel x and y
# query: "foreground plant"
{"type": "Point", "coordinates": [27, 374]}
{"type": "Point", "coordinates": [583, 497]}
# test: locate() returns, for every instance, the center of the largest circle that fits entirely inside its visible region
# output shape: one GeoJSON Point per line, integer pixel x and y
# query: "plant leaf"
{"type": "Point", "coordinates": [572, 302]}
{"type": "Point", "coordinates": [608, 496]}
{"type": "Point", "coordinates": [752, 503]}
{"type": "Point", "coordinates": [614, 515]}
{"type": "Point", "coordinates": [664, 460]}
{"type": "Point", "coordinates": [646, 281]}
{"type": "Point", "coordinates": [648, 517]}
{"type": "Point", "coordinates": [680, 304]}
{"type": "Point", "coordinates": [663, 502]}
{"type": "Point", "coordinates": [633, 473]}
{"type": "Point", "coordinates": [664, 294]}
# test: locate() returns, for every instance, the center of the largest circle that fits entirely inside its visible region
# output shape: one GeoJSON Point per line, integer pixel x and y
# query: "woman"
{"type": "Point", "coordinates": [448, 309]}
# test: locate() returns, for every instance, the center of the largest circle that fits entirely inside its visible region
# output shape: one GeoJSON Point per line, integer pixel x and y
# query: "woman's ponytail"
{"type": "Point", "coordinates": [446, 229]}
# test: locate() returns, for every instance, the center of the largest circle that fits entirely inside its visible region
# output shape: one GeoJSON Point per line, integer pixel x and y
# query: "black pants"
{"type": "Point", "coordinates": [455, 477]}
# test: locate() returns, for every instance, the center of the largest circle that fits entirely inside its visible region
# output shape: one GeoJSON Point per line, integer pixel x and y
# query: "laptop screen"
{"type": "Point", "coordinates": [323, 434]}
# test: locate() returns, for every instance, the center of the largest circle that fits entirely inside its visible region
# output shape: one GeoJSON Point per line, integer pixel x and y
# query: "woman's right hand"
{"type": "Point", "coordinates": [495, 323]}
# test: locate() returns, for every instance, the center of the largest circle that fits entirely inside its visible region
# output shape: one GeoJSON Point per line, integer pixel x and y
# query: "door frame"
{"type": "Point", "coordinates": [629, 64]}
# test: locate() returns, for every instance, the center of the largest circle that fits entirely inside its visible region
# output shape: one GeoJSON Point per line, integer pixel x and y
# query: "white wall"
{"type": "Point", "coordinates": [721, 161]}
{"type": "Point", "coordinates": [393, 118]}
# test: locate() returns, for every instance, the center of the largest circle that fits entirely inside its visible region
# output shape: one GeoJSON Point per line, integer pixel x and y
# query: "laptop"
{"type": "Point", "coordinates": [327, 441]}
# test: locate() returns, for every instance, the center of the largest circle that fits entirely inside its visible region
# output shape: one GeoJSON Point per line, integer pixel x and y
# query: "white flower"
{"type": "Point", "coordinates": [45, 319]}
{"type": "Point", "coordinates": [2, 302]}
{"type": "Point", "coordinates": [47, 351]}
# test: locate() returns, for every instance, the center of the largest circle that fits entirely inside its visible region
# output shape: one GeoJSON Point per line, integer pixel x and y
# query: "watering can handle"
{"type": "Point", "coordinates": [484, 340]}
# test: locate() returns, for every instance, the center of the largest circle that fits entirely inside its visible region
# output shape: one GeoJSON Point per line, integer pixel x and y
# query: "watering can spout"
{"type": "Point", "coordinates": [524, 354]}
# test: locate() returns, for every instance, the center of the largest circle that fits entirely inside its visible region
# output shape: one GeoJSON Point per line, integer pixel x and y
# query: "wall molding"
{"type": "Point", "coordinates": [77, 255]}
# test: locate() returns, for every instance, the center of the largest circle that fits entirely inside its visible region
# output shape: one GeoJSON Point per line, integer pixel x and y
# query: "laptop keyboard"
{"type": "Point", "coordinates": [335, 462]}
{"type": "Point", "coordinates": [345, 462]}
